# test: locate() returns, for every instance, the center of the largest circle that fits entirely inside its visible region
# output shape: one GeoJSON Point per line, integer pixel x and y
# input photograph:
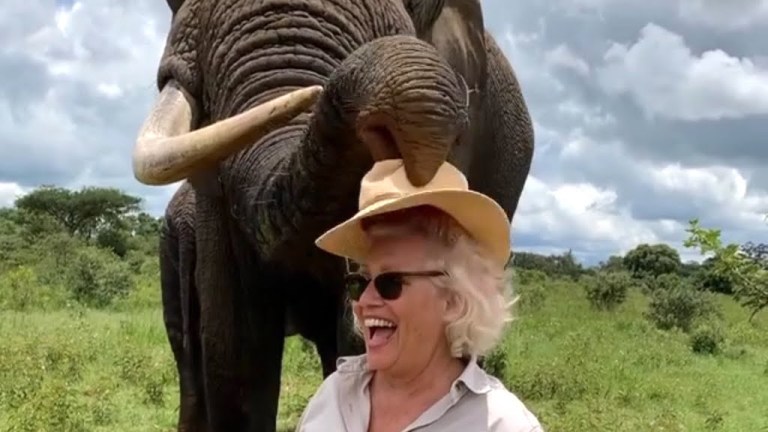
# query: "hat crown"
{"type": "Point", "coordinates": [388, 180]}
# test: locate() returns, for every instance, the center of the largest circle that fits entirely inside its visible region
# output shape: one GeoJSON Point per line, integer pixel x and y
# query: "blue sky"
{"type": "Point", "coordinates": [647, 113]}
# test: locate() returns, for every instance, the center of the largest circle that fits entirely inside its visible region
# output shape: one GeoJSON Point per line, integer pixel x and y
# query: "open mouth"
{"type": "Point", "coordinates": [379, 331]}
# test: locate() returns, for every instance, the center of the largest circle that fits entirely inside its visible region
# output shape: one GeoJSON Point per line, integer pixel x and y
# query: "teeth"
{"type": "Point", "coordinates": [378, 322]}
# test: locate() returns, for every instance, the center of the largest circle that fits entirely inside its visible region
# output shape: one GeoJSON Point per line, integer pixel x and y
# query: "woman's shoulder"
{"type": "Point", "coordinates": [507, 413]}
{"type": "Point", "coordinates": [325, 410]}
{"type": "Point", "coordinates": [504, 410]}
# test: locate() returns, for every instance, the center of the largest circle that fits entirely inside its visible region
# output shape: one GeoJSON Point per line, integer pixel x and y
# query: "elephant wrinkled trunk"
{"type": "Point", "coordinates": [400, 100]}
{"type": "Point", "coordinates": [393, 97]}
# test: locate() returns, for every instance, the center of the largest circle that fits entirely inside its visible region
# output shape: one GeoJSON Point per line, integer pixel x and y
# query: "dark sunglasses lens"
{"type": "Point", "coordinates": [356, 284]}
{"type": "Point", "coordinates": [389, 285]}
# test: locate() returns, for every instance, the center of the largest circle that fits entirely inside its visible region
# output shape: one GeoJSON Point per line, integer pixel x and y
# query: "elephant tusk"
{"type": "Point", "coordinates": [166, 151]}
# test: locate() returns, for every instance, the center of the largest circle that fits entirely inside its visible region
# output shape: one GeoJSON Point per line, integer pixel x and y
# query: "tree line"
{"type": "Point", "coordinates": [66, 248]}
{"type": "Point", "coordinates": [738, 270]}
{"type": "Point", "coordinates": [96, 245]}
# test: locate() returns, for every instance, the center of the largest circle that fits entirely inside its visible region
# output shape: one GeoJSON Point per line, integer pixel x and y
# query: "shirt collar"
{"type": "Point", "coordinates": [473, 377]}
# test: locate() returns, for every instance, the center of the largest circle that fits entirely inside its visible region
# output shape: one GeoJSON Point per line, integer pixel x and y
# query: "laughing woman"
{"type": "Point", "coordinates": [428, 300]}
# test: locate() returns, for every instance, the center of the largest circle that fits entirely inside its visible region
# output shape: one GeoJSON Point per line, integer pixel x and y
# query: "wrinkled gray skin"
{"type": "Point", "coordinates": [237, 255]}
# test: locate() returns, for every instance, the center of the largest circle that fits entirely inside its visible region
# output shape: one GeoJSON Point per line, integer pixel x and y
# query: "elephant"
{"type": "Point", "coordinates": [269, 114]}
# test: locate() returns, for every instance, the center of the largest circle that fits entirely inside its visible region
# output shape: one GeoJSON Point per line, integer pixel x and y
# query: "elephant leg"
{"type": "Point", "coordinates": [216, 276]}
{"type": "Point", "coordinates": [180, 311]}
{"type": "Point", "coordinates": [317, 309]}
{"type": "Point", "coordinates": [262, 316]}
{"type": "Point", "coordinates": [265, 356]}
{"type": "Point", "coordinates": [502, 158]}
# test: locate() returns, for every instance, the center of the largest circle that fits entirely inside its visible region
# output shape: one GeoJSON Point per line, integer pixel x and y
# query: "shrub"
{"type": "Point", "coordinates": [97, 277]}
{"type": "Point", "coordinates": [530, 277]}
{"type": "Point", "coordinates": [664, 282]}
{"type": "Point", "coordinates": [529, 287]}
{"type": "Point", "coordinates": [607, 290]}
{"type": "Point", "coordinates": [678, 306]}
{"type": "Point", "coordinates": [706, 339]}
{"type": "Point", "coordinates": [22, 290]}
{"type": "Point", "coordinates": [531, 296]}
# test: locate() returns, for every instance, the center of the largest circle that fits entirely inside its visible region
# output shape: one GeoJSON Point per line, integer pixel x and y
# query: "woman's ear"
{"type": "Point", "coordinates": [453, 306]}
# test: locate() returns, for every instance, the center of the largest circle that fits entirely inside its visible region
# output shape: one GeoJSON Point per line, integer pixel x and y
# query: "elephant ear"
{"type": "Point", "coordinates": [175, 5]}
{"type": "Point", "coordinates": [457, 29]}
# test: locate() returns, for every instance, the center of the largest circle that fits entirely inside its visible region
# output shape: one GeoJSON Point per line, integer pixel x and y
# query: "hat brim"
{"type": "Point", "coordinates": [481, 216]}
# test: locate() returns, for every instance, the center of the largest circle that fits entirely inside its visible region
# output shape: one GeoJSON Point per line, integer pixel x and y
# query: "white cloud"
{"type": "Point", "coordinates": [76, 82]}
{"type": "Point", "coordinates": [660, 191]}
{"type": "Point", "coordinates": [86, 76]}
{"type": "Point", "coordinates": [578, 215]}
{"type": "Point", "coordinates": [9, 192]}
{"type": "Point", "coordinates": [721, 15]}
{"type": "Point", "coordinates": [562, 56]}
{"type": "Point", "coordinates": [666, 78]}
{"type": "Point", "coordinates": [729, 15]}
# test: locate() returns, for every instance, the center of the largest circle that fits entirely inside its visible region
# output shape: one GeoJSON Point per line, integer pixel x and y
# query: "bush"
{"type": "Point", "coordinates": [607, 290]}
{"type": "Point", "coordinates": [530, 277]}
{"type": "Point", "coordinates": [664, 282]}
{"type": "Point", "coordinates": [531, 297]}
{"type": "Point", "coordinates": [678, 306]}
{"type": "Point", "coordinates": [495, 362]}
{"type": "Point", "coordinates": [706, 339]}
{"type": "Point", "coordinates": [22, 290]}
{"type": "Point", "coordinates": [97, 277]}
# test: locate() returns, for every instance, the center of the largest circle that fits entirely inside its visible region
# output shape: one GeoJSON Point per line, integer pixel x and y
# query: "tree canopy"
{"type": "Point", "coordinates": [652, 260]}
{"type": "Point", "coordinates": [84, 212]}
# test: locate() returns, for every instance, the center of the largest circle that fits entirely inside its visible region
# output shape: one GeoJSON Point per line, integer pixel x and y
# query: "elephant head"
{"type": "Point", "coordinates": [454, 29]}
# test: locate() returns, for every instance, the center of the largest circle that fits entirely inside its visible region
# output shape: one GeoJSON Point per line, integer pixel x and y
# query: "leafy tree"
{"type": "Point", "coordinates": [553, 265]}
{"type": "Point", "coordinates": [614, 263]}
{"type": "Point", "coordinates": [690, 269]}
{"type": "Point", "coordinates": [757, 252]}
{"type": "Point", "coordinates": [84, 212]}
{"type": "Point", "coordinates": [142, 224]}
{"type": "Point", "coordinates": [708, 278]}
{"type": "Point", "coordinates": [747, 266]}
{"type": "Point", "coordinates": [652, 260]}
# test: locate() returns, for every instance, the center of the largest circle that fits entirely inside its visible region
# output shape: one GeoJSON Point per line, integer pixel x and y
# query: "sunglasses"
{"type": "Point", "coordinates": [389, 285]}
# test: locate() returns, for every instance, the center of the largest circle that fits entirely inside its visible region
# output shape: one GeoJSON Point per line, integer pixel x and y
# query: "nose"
{"type": "Point", "coordinates": [370, 297]}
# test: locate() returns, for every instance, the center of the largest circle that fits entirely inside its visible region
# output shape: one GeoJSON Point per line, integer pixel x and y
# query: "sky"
{"type": "Point", "coordinates": [647, 113]}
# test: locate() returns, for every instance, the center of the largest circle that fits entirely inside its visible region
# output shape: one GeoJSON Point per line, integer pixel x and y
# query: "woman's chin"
{"type": "Point", "coordinates": [381, 356]}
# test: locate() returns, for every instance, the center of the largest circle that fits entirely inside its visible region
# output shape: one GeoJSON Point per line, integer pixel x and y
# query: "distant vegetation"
{"type": "Point", "coordinates": [641, 342]}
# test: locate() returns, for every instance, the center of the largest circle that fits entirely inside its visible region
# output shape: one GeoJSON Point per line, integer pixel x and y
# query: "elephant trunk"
{"type": "Point", "coordinates": [393, 97]}
{"type": "Point", "coordinates": [400, 99]}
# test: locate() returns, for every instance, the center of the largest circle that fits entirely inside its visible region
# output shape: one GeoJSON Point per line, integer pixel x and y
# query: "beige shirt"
{"type": "Point", "coordinates": [477, 402]}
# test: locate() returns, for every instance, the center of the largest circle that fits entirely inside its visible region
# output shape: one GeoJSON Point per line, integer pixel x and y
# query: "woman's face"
{"type": "Point", "coordinates": [406, 333]}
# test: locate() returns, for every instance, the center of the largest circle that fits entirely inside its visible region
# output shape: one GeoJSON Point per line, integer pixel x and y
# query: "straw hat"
{"type": "Point", "coordinates": [386, 188]}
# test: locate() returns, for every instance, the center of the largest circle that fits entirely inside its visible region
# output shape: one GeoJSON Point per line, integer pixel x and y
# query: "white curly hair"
{"type": "Point", "coordinates": [481, 287]}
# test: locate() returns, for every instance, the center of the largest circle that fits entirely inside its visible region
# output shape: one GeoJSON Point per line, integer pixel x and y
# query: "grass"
{"type": "Point", "coordinates": [578, 369]}
{"type": "Point", "coordinates": [582, 370]}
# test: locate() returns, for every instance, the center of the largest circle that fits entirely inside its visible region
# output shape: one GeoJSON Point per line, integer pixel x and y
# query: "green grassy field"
{"type": "Point", "coordinates": [577, 368]}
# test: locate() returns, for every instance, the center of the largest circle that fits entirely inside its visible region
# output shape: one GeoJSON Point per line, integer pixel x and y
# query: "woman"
{"type": "Point", "coordinates": [429, 298]}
